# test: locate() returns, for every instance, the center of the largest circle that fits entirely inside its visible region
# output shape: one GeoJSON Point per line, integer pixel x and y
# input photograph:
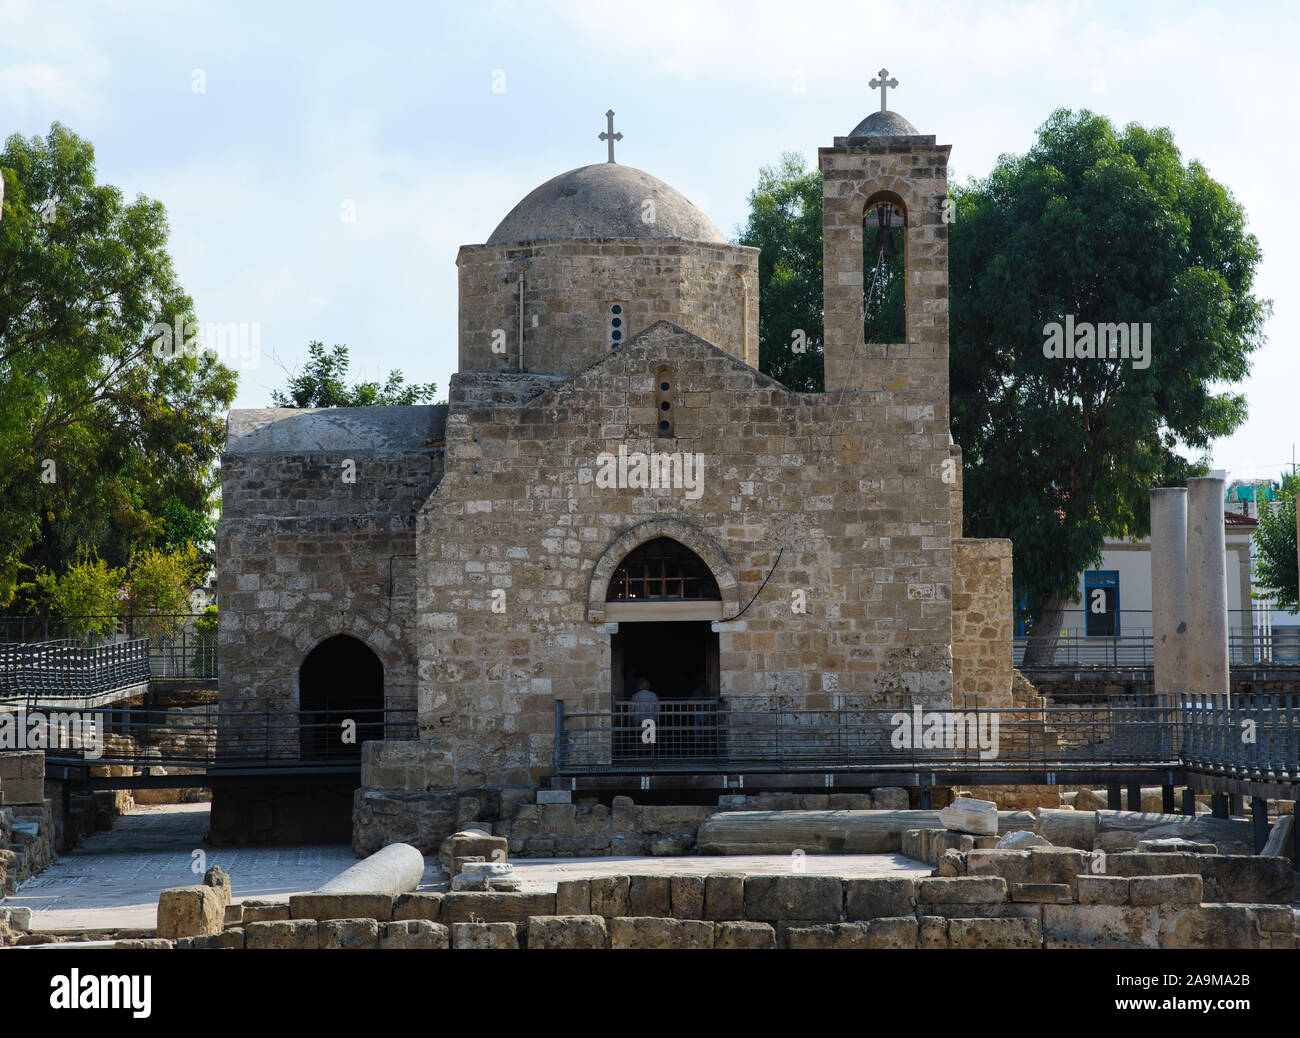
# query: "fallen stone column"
{"type": "Point", "coordinates": [1121, 831]}
{"type": "Point", "coordinates": [397, 869]}
{"type": "Point", "coordinates": [825, 832]}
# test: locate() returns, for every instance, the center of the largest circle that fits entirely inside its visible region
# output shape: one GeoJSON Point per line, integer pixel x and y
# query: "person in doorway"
{"type": "Point", "coordinates": [646, 704]}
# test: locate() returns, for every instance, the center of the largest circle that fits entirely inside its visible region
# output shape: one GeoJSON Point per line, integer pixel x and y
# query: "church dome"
{"type": "Point", "coordinates": [884, 124]}
{"type": "Point", "coordinates": [604, 200]}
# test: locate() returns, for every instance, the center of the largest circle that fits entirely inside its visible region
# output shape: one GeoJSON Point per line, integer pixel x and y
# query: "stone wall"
{"type": "Point", "coordinates": [982, 623]}
{"type": "Point", "coordinates": [733, 910]}
{"type": "Point", "coordinates": [866, 525]}
{"type": "Point", "coordinates": [708, 289]}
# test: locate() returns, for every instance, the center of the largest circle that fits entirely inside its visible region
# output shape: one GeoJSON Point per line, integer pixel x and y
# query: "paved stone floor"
{"type": "Point", "coordinates": [113, 879]}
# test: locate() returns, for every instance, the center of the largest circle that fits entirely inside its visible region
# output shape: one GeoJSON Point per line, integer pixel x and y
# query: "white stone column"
{"type": "Point", "coordinates": [1169, 589]}
{"type": "Point", "coordinates": [1207, 588]}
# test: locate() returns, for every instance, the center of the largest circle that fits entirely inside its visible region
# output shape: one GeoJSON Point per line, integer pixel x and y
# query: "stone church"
{"type": "Point", "coordinates": [615, 502]}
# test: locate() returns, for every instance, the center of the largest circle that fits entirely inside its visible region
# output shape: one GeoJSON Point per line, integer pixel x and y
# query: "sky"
{"type": "Point", "coordinates": [263, 127]}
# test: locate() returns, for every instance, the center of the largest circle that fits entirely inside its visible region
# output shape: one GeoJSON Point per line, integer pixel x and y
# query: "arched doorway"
{"type": "Point", "coordinates": [664, 655]}
{"type": "Point", "coordinates": [341, 680]}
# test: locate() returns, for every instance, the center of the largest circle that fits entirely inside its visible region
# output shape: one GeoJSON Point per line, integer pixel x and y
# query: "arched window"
{"type": "Point", "coordinates": [884, 269]}
{"type": "Point", "coordinates": [662, 570]}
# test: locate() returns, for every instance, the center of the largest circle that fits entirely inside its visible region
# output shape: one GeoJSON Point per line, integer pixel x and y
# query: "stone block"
{"type": "Point", "coordinates": [341, 906]}
{"type": "Point", "coordinates": [1165, 890]}
{"type": "Point", "coordinates": [874, 897]}
{"type": "Point", "coordinates": [649, 896]}
{"type": "Point", "coordinates": [1102, 890]}
{"type": "Point", "coordinates": [608, 896]}
{"type": "Point", "coordinates": [495, 907]}
{"type": "Point", "coordinates": [1174, 845]}
{"type": "Point", "coordinates": [189, 912]}
{"type": "Point", "coordinates": [573, 897]}
{"type": "Point", "coordinates": [1058, 865]}
{"type": "Point", "coordinates": [415, 933]}
{"type": "Point", "coordinates": [217, 879]}
{"type": "Point", "coordinates": [772, 898]}
{"type": "Point", "coordinates": [259, 911]}
{"type": "Point", "coordinates": [471, 845]}
{"type": "Point", "coordinates": [995, 933]}
{"type": "Point", "coordinates": [347, 934]}
{"type": "Point", "coordinates": [22, 791]}
{"type": "Point", "coordinates": [1041, 893]}
{"type": "Point", "coordinates": [932, 932]}
{"type": "Point", "coordinates": [658, 932]}
{"type": "Point", "coordinates": [566, 931]}
{"type": "Point", "coordinates": [900, 932]}
{"type": "Point", "coordinates": [962, 890]}
{"type": "Point", "coordinates": [232, 937]}
{"type": "Point", "coordinates": [687, 896]}
{"type": "Point", "coordinates": [417, 906]}
{"type": "Point", "coordinates": [484, 936]}
{"type": "Point", "coordinates": [1021, 840]}
{"type": "Point", "coordinates": [978, 817]}
{"type": "Point", "coordinates": [724, 895]}
{"type": "Point", "coordinates": [278, 935]}
{"type": "Point", "coordinates": [889, 798]}
{"type": "Point", "coordinates": [558, 796]}
{"type": "Point", "coordinates": [1013, 866]}
{"type": "Point", "coordinates": [740, 933]}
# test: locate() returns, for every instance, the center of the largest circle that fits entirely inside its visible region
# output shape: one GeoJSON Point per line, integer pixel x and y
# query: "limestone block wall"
{"type": "Point", "coordinates": [864, 517]}
{"type": "Point", "coordinates": [316, 538]}
{"type": "Point", "coordinates": [709, 289]}
{"type": "Point", "coordinates": [982, 623]}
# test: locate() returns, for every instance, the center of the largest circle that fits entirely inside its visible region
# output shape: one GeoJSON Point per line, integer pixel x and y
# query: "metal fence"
{"type": "Point", "coordinates": [210, 737]}
{"type": "Point", "coordinates": [1248, 642]}
{"type": "Point", "coordinates": [61, 671]}
{"type": "Point", "coordinates": [181, 645]}
{"type": "Point", "coordinates": [688, 734]}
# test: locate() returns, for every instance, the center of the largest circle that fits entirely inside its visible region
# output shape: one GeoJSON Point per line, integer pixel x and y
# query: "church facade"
{"type": "Point", "coordinates": [615, 502]}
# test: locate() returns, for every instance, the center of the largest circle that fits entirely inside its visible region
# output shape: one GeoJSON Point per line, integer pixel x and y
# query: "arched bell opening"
{"type": "Point", "coordinates": [884, 269]}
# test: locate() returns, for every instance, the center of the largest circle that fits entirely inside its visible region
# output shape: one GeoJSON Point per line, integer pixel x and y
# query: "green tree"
{"type": "Point", "coordinates": [86, 596]}
{"type": "Point", "coordinates": [323, 383]}
{"type": "Point", "coordinates": [159, 585]}
{"type": "Point", "coordinates": [1058, 454]}
{"type": "Point", "coordinates": [1277, 570]}
{"type": "Point", "coordinates": [97, 432]}
{"type": "Point", "coordinates": [785, 225]}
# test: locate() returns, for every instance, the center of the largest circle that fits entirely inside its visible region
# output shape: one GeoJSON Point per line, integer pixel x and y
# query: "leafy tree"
{"type": "Point", "coordinates": [785, 225]}
{"type": "Point", "coordinates": [323, 383]}
{"type": "Point", "coordinates": [1059, 453]}
{"type": "Point", "coordinates": [158, 589]}
{"type": "Point", "coordinates": [1277, 572]}
{"type": "Point", "coordinates": [97, 433]}
{"type": "Point", "coordinates": [86, 596]}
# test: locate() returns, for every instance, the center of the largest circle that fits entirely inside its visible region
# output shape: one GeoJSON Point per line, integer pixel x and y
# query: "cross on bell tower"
{"type": "Point", "coordinates": [609, 134]}
{"type": "Point", "coordinates": [883, 84]}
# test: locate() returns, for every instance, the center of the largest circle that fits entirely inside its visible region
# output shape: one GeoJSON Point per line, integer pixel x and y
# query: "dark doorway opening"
{"type": "Point", "coordinates": [677, 663]}
{"type": "Point", "coordinates": [341, 680]}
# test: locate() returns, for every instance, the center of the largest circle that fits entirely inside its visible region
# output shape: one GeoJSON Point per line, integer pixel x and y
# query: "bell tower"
{"type": "Point", "coordinates": [882, 175]}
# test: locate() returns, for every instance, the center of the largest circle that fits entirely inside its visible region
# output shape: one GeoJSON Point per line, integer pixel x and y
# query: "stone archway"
{"type": "Point", "coordinates": [340, 680]}
{"type": "Point", "coordinates": [684, 533]}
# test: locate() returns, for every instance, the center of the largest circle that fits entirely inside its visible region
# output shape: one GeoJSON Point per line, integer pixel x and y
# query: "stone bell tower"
{"type": "Point", "coordinates": [885, 161]}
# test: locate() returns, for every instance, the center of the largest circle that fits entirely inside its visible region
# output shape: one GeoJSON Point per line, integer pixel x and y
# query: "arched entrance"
{"type": "Point", "coordinates": [340, 680]}
{"type": "Point", "coordinates": [664, 655]}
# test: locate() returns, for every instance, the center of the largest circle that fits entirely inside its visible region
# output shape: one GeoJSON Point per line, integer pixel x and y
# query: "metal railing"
{"type": "Point", "coordinates": [60, 671]}
{"type": "Point", "coordinates": [686, 734]}
{"type": "Point", "coordinates": [1132, 646]}
{"type": "Point", "coordinates": [207, 737]}
{"type": "Point", "coordinates": [181, 645]}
